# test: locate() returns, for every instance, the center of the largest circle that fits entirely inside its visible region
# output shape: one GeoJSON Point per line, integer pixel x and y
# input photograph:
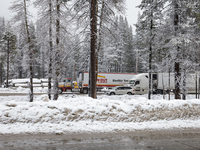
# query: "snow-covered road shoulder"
{"type": "Point", "coordinates": [72, 113]}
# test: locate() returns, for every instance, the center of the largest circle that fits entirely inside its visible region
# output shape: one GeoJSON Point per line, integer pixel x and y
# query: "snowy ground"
{"type": "Point", "coordinates": [81, 114]}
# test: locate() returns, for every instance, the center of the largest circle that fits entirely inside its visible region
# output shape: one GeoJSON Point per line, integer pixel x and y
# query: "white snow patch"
{"type": "Point", "coordinates": [75, 114]}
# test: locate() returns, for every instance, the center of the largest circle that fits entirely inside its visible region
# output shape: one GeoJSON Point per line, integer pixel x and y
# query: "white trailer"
{"type": "Point", "coordinates": [161, 82]}
{"type": "Point", "coordinates": [103, 80]}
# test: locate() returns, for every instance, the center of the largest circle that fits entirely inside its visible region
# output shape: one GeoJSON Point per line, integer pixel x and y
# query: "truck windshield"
{"type": "Point", "coordinates": [132, 82]}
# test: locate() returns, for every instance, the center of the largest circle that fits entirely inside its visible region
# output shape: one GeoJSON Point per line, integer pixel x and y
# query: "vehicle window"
{"type": "Point", "coordinates": [120, 88]}
{"type": "Point", "coordinates": [137, 82]}
{"type": "Point", "coordinates": [127, 88]}
{"type": "Point", "coordinates": [132, 82]}
{"type": "Point", "coordinates": [155, 76]}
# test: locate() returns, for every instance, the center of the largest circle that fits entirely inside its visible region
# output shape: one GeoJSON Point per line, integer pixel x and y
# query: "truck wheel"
{"type": "Point", "coordinates": [60, 91]}
{"type": "Point", "coordinates": [85, 91]}
{"type": "Point", "coordinates": [129, 93]}
{"type": "Point", "coordinates": [112, 93]}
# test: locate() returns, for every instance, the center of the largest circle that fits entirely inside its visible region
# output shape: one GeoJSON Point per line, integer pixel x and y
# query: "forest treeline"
{"type": "Point", "coordinates": [115, 55]}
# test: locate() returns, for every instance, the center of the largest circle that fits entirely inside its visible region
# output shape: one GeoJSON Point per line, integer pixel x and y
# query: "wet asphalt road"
{"type": "Point", "coordinates": [138, 140]}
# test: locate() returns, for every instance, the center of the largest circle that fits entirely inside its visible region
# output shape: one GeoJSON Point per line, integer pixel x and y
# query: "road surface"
{"type": "Point", "coordinates": [139, 140]}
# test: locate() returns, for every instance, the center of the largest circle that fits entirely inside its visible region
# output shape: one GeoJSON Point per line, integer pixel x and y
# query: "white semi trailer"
{"type": "Point", "coordinates": [103, 80]}
{"type": "Point", "coordinates": [160, 82]}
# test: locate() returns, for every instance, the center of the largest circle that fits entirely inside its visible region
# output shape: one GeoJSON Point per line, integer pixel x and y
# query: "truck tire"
{"type": "Point", "coordinates": [60, 90]}
{"type": "Point", "coordinates": [85, 91]}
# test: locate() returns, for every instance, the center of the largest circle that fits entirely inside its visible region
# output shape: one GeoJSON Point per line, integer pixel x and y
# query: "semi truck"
{"type": "Point", "coordinates": [161, 82]}
{"type": "Point", "coordinates": [103, 80]}
{"type": "Point", "coordinates": [64, 85]}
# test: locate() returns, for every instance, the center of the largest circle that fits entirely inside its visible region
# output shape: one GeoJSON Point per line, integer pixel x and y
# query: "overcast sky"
{"type": "Point", "coordinates": [132, 11]}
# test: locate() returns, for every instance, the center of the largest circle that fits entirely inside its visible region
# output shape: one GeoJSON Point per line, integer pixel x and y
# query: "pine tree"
{"type": "Point", "coordinates": [8, 46]}
{"type": "Point", "coordinates": [129, 58]}
{"type": "Point", "coordinates": [56, 60]}
{"type": "Point", "coordinates": [54, 39]}
{"type": "Point", "coordinates": [23, 16]}
{"type": "Point", "coordinates": [180, 38]}
{"type": "Point", "coordinates": [174, 41]}
{"type": "Point", "coordinates": [2, 57]}
{"type": "Point", "coordinates": [45, 34]}
{"type": "Point", "coordinates": [91, 14]}
{"type": "Point", "coordinates": [150, 17]}
{"type": "Point", "coordinates": [140, 44]}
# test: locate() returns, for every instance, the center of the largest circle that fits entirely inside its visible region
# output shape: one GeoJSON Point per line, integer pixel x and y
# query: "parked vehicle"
{"type": "Point", "coordinates": [161, 82]}
{"type": "Point", "coordinates": [120, 90]}
{"type": "Point", "coordinates": [64, 85]}
{"type": "Point", "coordinates": [103, 80]}
{"type": "Point", "coordinates": [105, 89]}
{"type": "Point", "coordinates": [75, 87]}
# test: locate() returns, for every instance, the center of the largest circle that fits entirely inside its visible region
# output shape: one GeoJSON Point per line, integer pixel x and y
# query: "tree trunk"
{"type": "Point", "coordinates": [50, 50]}
{"type": "Point", "coordinates": [93, 34]}
{"type": "Point", "coordinates": [177, 81]}
{"type": "Point", "coordinates": [1, 77]}
{"type": "Point", "coordinates": [184, 85]}
{"type": "Point", "coordinates": [196, 88]}
{"type": "Point", "coordinates": [150, 56]}
{"type": "Point", "coordinates": [8, 61]}
{"type": "Point", "coordinates": [177, 65]}
{"type": "Point", "coordinates": [30, 54]}
{"type": "Point", "coordinates": [169, 85]}
{"type": "Point", "coordinates": [57, 57]}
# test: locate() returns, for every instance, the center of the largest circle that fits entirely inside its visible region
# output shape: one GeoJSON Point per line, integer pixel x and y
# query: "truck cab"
{"type": "Point", "coordinates": [64, 85]}
{"type": "Point", "coordinates": [160, 83]}
{"type": "Point", "coordinates": [140, 83]}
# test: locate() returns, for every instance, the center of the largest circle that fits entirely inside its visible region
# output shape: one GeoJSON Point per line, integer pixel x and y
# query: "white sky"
{"type": "Point", "coordinates": [132, 11]}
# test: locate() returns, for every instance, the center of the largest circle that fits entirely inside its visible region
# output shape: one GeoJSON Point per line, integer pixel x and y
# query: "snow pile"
{"type": "Point", "coordinates": [83, 108]}
{"type": "Point", "coordinates": [23, 90]}
{"type": "Point", "coordinates": [73, 113]}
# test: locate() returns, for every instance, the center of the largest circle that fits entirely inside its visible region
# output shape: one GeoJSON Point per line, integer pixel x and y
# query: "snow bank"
{"type": "Point", "coordinates": [83, 108]}
{"type": "Point", "coordinates": [20, 89]}
{"type": "Point", "coordinates": [72, 113]}
{"type": "Point", "coordinates": [65, 127]}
